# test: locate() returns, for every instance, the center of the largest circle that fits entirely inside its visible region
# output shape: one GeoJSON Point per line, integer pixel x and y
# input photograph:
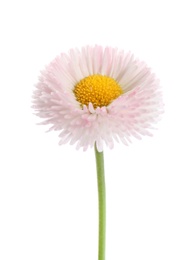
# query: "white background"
{"type": "Point", "coordinates": [48, 194]}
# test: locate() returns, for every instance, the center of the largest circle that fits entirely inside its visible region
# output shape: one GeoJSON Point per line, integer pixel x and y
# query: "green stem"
{"type": "Point", "coordinates": [102, 203]}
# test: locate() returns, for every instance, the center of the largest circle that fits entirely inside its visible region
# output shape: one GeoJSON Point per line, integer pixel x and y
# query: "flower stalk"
{"type": "Point", "coordinates": [102, 203]}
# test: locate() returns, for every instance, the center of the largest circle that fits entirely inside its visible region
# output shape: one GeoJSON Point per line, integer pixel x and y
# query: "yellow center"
{"type": "Point", "coordinates": [98, 89]}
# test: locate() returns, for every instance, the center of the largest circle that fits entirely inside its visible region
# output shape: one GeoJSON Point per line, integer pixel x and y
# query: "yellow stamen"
{"type": "Point", "coordinates": [98, 89]}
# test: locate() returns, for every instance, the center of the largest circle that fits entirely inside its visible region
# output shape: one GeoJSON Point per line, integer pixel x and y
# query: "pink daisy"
{"type": "Point", "coordinates": [98, 95]}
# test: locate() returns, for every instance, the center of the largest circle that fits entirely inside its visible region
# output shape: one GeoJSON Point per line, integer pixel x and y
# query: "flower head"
{"type": "Point", "coordinates": [98, 95]}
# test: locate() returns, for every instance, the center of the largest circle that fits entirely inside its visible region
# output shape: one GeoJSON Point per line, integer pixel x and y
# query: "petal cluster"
{"type": "Point", "coordinates": [132, 114]}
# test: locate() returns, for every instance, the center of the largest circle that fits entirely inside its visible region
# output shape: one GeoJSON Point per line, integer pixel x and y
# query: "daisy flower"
{"type": "Point", "coordinates": [97, 96]}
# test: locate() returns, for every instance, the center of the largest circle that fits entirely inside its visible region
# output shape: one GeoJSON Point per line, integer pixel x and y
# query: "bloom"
{"type": "Point", "coordinates": [98, 95]}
